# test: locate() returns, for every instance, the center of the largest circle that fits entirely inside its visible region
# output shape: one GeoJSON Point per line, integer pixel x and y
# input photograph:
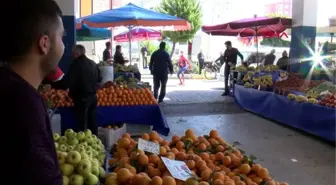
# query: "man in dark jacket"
{"type": "Point", "coordinates": [118, 56]}
{"type": "Point", "coordinates": [107, 52]}
{"type": "Point", "coordinates": [230, 59]}
{"type": "Point", "coordinates": [270, 58]}
{"type": "Point", "coordinates": [144, 56]}
{"type": "Point", "coordinates": [160, 65]}
{"type": "Point", "coordinates": [82, 79]}
{"type": "Point", "coordinates": [200, 58]}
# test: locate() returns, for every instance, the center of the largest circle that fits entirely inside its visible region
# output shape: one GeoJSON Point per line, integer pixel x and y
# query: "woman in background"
{"type": "Point", "coordinates": [183, 64]}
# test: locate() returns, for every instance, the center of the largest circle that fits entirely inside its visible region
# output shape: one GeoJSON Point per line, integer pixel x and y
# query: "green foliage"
{"type": "Point", "coordinates": [151, 47]}
{"type": "Point", "coordinates": [275, 42]}
{"type": "Point", "coordinates": [189, 10]}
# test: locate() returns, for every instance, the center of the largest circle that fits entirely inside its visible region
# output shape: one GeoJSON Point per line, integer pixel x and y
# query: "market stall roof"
{"type": "Point", "coordinates": [257, 26]}
{"type": "Point", "coordinates": [132, 15]}
{"type": "Point", "coordinates": [86, 33]}
{"type": "Point", "coordinates": [138, 34]}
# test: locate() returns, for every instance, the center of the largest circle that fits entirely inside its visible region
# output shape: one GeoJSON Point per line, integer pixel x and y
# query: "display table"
{"type": "Point", "coordinates": [311, 118]}
{"type": "Point", "coordinates": [146, 115]}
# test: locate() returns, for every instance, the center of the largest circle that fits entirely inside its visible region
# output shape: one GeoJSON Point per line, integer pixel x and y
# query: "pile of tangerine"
{"type": "Point", "coordinates": [119, 96]}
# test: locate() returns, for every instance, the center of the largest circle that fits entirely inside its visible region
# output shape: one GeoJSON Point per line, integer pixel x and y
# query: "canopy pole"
{"type": "Point", "coordinates": [130, 44]}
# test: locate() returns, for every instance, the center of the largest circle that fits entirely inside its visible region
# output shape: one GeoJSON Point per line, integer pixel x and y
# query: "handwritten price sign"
{"type": "Point", "coordinates": [148, 146]}
{"type": "Point", "coordinates": [178, 169]}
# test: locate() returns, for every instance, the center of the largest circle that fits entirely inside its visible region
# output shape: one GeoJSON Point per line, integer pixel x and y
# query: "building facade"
{"type": "Point", "coordinates": [281, 7]}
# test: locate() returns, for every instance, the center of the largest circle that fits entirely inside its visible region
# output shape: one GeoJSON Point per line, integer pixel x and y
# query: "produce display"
{"type": "Point", "coordinates": [210, 158]}
{"type": "Point", "coordinates": [81, 157]}
{"type": "Point", "coordinates": [124, 68]}
{"type": "Point", "coordinates": [296, 83]}
{"type": "Point", "coordinates": [328, 100]}
{"type": "Point", "coordinates": [323, 87]}
{"type": "Point", "coordinates": [110, 95]}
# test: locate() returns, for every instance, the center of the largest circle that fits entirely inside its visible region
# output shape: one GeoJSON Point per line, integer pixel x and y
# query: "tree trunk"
{"type": "Point", "coordinates": [173, 50]}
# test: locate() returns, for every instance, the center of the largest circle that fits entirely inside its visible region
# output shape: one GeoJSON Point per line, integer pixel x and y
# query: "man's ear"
{"type": "Point", "coordinates": [44, 44]}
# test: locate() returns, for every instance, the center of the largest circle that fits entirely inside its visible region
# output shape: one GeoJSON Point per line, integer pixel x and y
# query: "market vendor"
{"type": "Point", "coordinates": [282, 63]}
{"type": "Point", "coordinates": [107, 57]}
{"type": "Point", "coordinates": [119, 59]}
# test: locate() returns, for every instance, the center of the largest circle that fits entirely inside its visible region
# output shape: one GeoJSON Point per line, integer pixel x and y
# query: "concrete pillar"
{"type": "Point", "coordinates": [68, 10]}
{"type": "Point", "coordinates": [304, 15]}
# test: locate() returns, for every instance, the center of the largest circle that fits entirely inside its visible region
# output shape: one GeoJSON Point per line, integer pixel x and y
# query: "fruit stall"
{"type": "Point", "coordinates": [183, 160]}
{"type": "Point", "coordinates": [290, 99]}
{"type": "Point", "coordinates": [121, 101]}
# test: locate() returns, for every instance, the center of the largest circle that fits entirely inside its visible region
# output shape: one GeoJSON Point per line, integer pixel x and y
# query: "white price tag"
{"type": "Point", "coordinates": [148, 146]}
{"type": "Point", "coordinates": [178, 169]}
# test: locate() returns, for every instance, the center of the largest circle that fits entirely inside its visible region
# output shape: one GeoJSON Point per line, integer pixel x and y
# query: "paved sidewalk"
{"type": "Point", "coordinates": [194, 91]}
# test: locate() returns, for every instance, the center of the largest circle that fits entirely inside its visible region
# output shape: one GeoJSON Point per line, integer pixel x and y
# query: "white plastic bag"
{"type": "Point", "coordinates": [106, 73]}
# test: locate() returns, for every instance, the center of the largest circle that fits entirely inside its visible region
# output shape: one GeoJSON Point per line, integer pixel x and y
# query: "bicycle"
{"type": "Point", "coordinates": [211, 70]}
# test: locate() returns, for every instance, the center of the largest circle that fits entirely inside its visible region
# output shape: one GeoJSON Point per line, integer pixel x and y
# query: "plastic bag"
{"type": "Point", "coordinates": [106, 73]}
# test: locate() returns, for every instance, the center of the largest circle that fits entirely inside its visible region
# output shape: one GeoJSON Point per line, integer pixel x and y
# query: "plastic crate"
{"type": "Point", "coordinates": [137, 129]}
{"type": "Point", "coordinates": [110, 136]}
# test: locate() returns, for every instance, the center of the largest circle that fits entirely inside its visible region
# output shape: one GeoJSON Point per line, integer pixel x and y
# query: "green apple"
{"type": "Point", "coordinates": [94, 162]}
{"type": "Point", "coordinates": [73, 157]}
{"type": "Point", "coordinates": [86, 161]}
{"type": "Point", "coordinates": [88, 148]}
{"type": "Point", "coordinates": [76, 179]}
{"type": "Point", "coordinates": [91, 179]}
{"type": "Point", "coordinates": [87, 132]}
{"type": "Point", "coordinates": [56, 145]}
{"type": "Point", "coordinates": [62, 140]}
{"type": "Point", "coordinates": [65, 180]}
{"type": "Point", "coordinates": [88, 139]}
{"type": "Point", "coordinates": [62, 148]}
{"type": "Point", "coordinates": [67, 169]}
{"type": "Point", "coordinates": [84, 168]}
{"type": "Point", "coordinates": [80, 146]}
{"type": "Point", "coordinates": [89, 153]}
{"type": "Point", "coordinates": [95, 153]}
{"type": "Point", "coordinates": [102, 173]}
{"type": "Point", "coordinates": [56, 136]}
{"type": "Point", "coordinates": [70, 148]}
{"type": "Point", "coordinates": [81, 150]}
{"type": "Point", "coordinates": [92, 143]}
{"type": "Point", "coordinates": [95, 170]}
{"type": "Point", "coordinates": [94, 137]}
{"type": "Point", "coordinates": [84, 143]}
{"type": "Point", "coordinates": [80, 136]}
{"type": "Point", "coordinates": [73, 141]}
{"type": "Point", "coordinates": [61, 157]}
{"type": "Point", "coordinates": [85, 156]}
{"type": "Point", "coordinates": [69, 132]}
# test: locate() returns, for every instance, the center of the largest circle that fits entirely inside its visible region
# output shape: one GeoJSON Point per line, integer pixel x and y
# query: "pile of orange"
{"type": "Point", "coordinates": [112, 95]}
{"type": "Point", "coordinates": [210, 158]}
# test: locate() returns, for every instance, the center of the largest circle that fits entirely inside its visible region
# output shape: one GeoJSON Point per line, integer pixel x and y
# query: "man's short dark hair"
{"type": "Point", "coordinates": [31, 20]}
{"type": "Point", "coordinates": [108, 44]}
{"type": "Point", "coordinates": [118, 47]}
{"type": "Point", "coordinates": [228, 43]}
{"type": "Point", "coordinates": [80, 49]}
{"type": "Point", "coordinates": [162, 45]}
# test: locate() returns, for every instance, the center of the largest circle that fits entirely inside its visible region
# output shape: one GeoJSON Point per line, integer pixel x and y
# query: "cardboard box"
{"type": "Point", "coordinates": [137, 129]}
{"type": "Point", "coordinates": [110, 136]}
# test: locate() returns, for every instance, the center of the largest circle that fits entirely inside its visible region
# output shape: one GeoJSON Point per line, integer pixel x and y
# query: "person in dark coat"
{"type": "Point", "coordinates": [230, 60]}
{"type": "Point", "coordinates": [118, 56]}
{"type": "Point", "coordinates": [160, 65]}
{"type": "Point", "coordinates": [107, 52]}
{"type": "Point", "coordinates": [283, 62]}
{"type": "Point", "coordinates": [144, 56]}
{"type": "Point", "coordinates": [270, 58]}
{"type": "Point", "coordinates": [82, 79]}
{"type": "Point", "coordinates": [200, 58]}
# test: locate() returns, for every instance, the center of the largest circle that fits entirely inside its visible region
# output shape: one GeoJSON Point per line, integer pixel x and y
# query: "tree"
{"type": "Point", "coordinates": [189, 10]}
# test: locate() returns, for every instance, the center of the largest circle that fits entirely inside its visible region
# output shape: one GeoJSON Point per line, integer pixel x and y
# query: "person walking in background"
{"type": "Point", "coordinates": [31, 50]}
{"type": "Point", "coordinates": [184, 65]}
{"type": "Point", "coordinates": [118, 56]}
{"type": "Point", "coordinates": [230, 59]}
{"type": "Point", "coordinates": [82, 78]}
{"type": "Point", "coordinates": [270, 58]}
{"type": "Point", "coordinates": [107, 57]}
{"type": "Point", "coordinates": [144, 56]}
{"type": "Point", "coordinates": [160, 65]}
{"type": "Point", "coordinates": [283, 62]}
{"type": "Point", "coordinates": [200, 58]}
